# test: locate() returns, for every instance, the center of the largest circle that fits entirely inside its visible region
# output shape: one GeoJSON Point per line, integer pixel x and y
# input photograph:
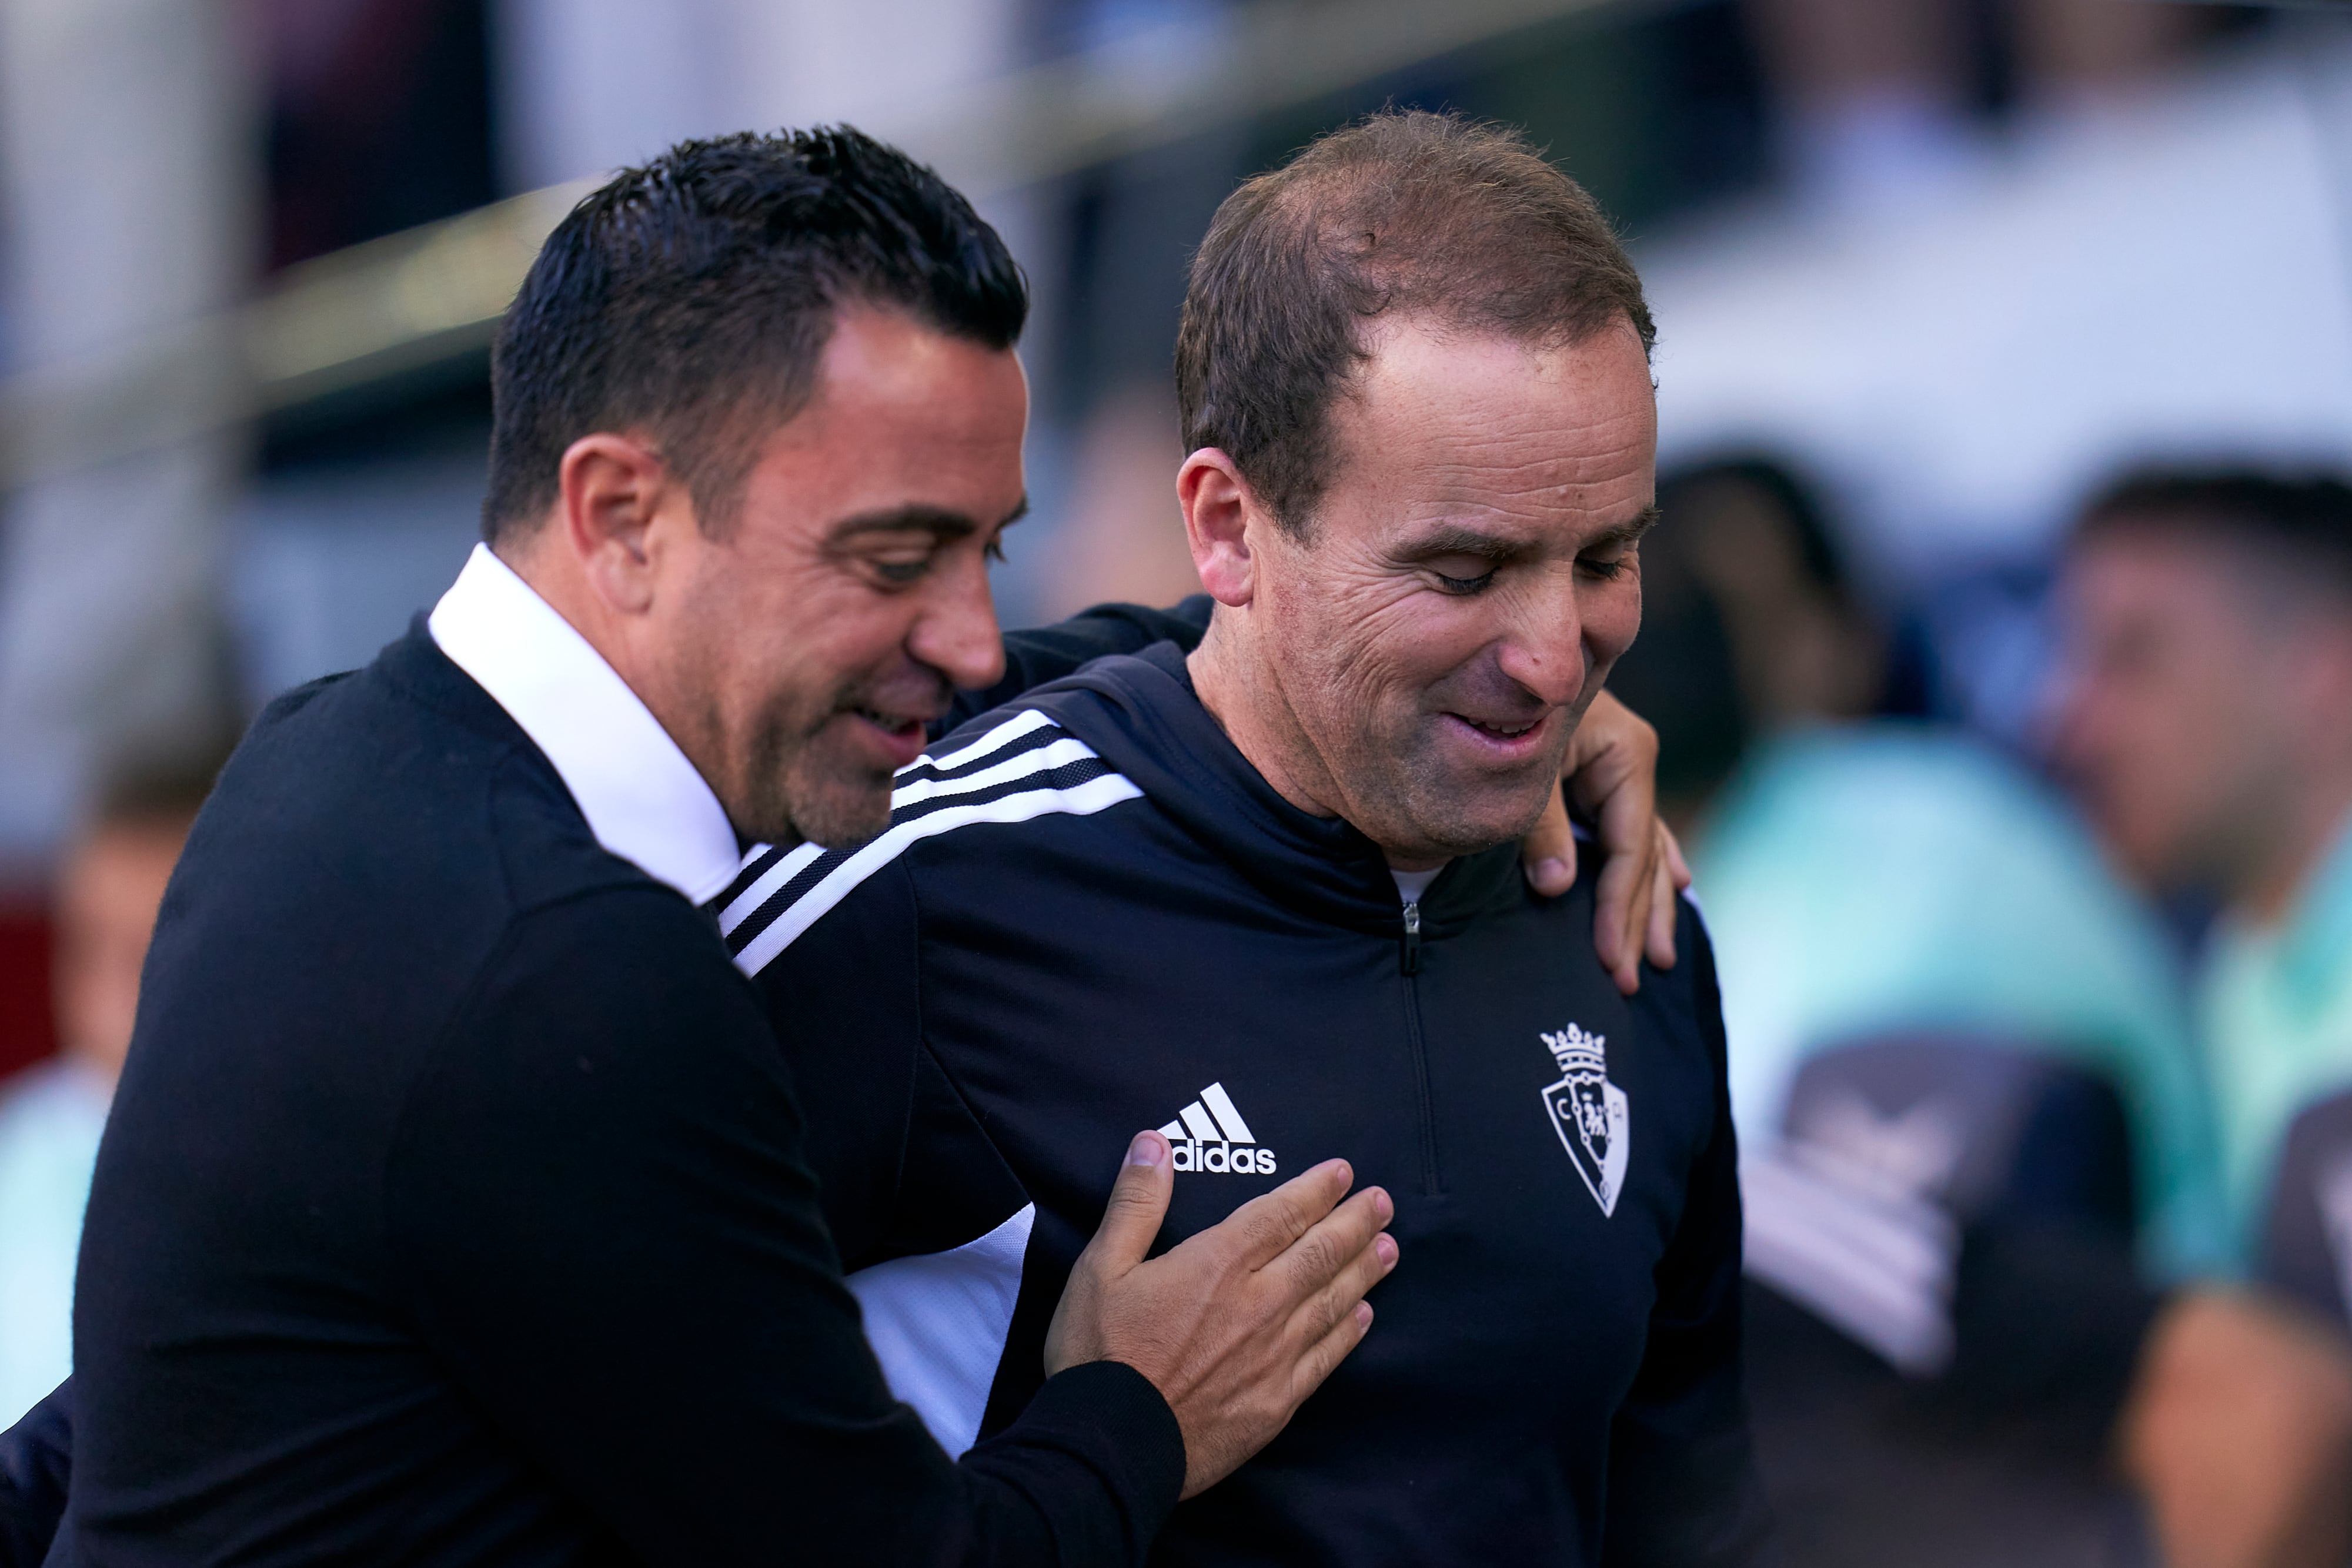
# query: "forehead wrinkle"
{"type": "Point", "coordinates": [1538, 483]}
{"type": "Point", "coordinates": [1623, 443]}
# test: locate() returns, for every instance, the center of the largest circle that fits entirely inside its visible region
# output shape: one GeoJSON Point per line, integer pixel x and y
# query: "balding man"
{"type": "Point", "coordinates": [1264, 897]}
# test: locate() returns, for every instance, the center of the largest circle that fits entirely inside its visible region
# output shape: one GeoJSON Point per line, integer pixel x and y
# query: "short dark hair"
{"type": "Point", "coordinates": [693, 297]}
{"type": "Point", "coordinates": [2300, 523]}
{"type": "Point", "coordinates": [1401, 212]}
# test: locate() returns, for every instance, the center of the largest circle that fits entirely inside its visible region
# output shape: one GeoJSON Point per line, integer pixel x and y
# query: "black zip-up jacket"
{"type": "Point", "coordinates": [1090, 916]}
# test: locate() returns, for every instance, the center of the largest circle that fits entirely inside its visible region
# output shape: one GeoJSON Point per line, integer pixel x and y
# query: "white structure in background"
{"type": "Point", "coordinates": [586, 86]}
{"type": "Point", "coordinates": [2172, 277]}
{"type": "Point", "coordinates": [127, 170]}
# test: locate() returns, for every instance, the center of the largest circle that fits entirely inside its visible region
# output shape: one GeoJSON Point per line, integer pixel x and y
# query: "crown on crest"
{"type": "Point", "coordinates": [1576, 1050]}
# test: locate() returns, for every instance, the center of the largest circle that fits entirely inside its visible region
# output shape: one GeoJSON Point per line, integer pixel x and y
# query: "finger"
{"type": "Point", "coordinates": [1324, 1252]}
{"type": "Point", "coordinates": [1324, 1357]}
{"type": "Point", "coordinates": [1617, 782]}
{"type": "Point", "coordinates": [1620, 906]}
{"type": "Point", "coordinates": [1138, 1202]}
{"type": "Point", "coordinates": [1675, 858]}
{"type": "Point", "coordinates": [1665, 898]}
{"type": "Point", "coordinates": [1262, 1229]}
{"type": "Point", "coordinates": [1548, 853]}
{"type": "Point", "coordinates": [1641, 914]}
{"type": "Point", "coordinates": [1367, 1268]}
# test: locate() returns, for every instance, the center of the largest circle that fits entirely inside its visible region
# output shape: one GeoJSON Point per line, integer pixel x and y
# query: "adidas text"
{"type": "Point", "coordinates": [1208, 1135]}
{"type": "Point", "coordinates": [1192, 1156]}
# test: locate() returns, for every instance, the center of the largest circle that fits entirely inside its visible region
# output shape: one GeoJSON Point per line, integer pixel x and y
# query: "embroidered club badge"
{"type": "Point", "coordinates": [1590, 1114]}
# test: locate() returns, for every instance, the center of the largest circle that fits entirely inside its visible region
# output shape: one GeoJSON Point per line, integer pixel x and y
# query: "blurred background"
{"type": "Point", "coordinates": [2012, 910]}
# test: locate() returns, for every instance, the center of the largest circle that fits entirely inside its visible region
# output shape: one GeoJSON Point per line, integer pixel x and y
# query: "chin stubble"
{"type": "Point", "coordinates": [801, 793]}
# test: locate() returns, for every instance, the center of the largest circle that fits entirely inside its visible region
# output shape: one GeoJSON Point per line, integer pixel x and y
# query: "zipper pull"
{"type": "Point", "coordinates": [1413, 938]}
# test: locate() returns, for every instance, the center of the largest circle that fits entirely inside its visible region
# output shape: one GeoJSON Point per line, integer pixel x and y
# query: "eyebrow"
{"type": "Point", "coordinates": [938, 521]}
{"type": "Point", "coordinates": [1461, 538]}
{"type": "Point", "coordinates": [1627, 533]}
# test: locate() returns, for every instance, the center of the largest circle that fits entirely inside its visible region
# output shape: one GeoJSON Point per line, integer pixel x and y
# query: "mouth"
{"type": "Point", "coordinates": [899, 736]}
{"type": "Point", "coordinates": [1503, 739]}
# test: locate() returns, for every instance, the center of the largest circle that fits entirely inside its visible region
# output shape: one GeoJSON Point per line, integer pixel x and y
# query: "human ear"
{"type": "Point", "coordinates": [1222, 521]}
{"type": "Point", "coordinates": [615, 489]}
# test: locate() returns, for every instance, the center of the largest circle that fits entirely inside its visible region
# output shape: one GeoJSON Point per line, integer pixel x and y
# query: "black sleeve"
{"type": "Point", "coordinates": [1048, 652]}
{"type": "Point", "coordinates": [599, 1198]}
{"type": "Point", "coordinates": [35, 1457]}
{"type": "Point", "coordinates": [1683, 1487]}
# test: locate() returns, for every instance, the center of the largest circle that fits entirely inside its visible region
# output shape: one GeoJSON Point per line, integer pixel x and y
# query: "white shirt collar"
{"type": "Point", "coordinates": [644, 801]}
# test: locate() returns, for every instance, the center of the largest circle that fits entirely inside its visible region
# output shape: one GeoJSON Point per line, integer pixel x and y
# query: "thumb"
{"type": "Point", "coordinates": [1138, 1202]}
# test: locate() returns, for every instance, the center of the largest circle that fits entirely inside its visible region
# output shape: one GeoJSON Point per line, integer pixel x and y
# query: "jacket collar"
{"type": "Point", "coordinates": [1142, 713]}
{"type": "Point", "coordinates": [643, 800]}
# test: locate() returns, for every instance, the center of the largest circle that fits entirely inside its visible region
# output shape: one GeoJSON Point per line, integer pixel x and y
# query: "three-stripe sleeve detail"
{"type": "Point", "coordinates": [1026, 767]}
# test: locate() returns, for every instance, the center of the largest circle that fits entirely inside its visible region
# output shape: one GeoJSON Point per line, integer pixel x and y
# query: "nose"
{"type": "Point", "coordinates": [1542, 646]}
{"type": "Point", "coordinates": [956, 632]}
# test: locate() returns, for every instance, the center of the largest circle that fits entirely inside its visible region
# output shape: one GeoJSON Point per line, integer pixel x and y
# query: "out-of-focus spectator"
{"type": "Point", "coordinates": [109, 889]}
{"type": "Point", "coordinates": [2208, 726]}
{"type": "Point", "coordinates": [2209, 729]}
{"type": "Point", "coordinates": [1959, 1063]}
{"type": "Point", "coordinates": [1865, 875]}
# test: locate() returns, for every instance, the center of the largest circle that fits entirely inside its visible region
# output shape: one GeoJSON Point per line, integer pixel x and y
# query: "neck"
{"type": "Point", "coordinates": [557, 576]}
{"type": "Point", "coordinates": [1257, 717]}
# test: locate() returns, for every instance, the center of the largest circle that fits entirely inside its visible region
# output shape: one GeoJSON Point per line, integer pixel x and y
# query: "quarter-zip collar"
{"type": "Point", "coordinates": [1142, 713]}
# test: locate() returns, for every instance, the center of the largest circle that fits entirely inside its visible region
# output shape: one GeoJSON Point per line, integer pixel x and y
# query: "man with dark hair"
{"type": "Point", "coordinates": [2208, 727]}
{"type": "Point", "coordinates": [1264, 896]}
{"type": "Point", "coordinates": [456, 1204]}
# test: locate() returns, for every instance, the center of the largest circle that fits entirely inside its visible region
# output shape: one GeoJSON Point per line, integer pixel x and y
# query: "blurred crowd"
{"type": "Point", "coordinates": [1999, 630]}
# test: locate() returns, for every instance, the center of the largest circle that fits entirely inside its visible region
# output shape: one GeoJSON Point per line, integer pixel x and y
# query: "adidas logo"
{"type": "Point", "coordinates": [1208, 1135]}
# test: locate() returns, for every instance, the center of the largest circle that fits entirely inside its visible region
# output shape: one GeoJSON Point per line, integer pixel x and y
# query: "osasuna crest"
{"type": "Point", "coordinates": [1590, 1114]}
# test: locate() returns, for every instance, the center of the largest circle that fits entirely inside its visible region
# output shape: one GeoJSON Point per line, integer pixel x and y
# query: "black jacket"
{"type": "Point", "coordinates": [1091, 915]}
{"type": "Point", "coordinates": [455, 1208]}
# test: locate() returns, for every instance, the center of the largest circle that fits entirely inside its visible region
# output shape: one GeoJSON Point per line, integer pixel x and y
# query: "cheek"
{"type": "Point", "coordinates": [1612, 617]}
{"type": "Point", "coordinates": [2171, 754]}
{"type": "Point", "coordinates": [1375, 655]}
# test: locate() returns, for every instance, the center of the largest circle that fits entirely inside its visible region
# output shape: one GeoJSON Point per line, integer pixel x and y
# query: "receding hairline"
{"type": "Point", "coordinates": [1349, 390]}
{"type": "Point", "coordinates": [1404, 214]}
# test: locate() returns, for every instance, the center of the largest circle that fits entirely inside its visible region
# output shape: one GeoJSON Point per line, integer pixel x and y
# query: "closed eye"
{"type": "Point", "coordinates": [1461, 572]}
{"type": "Point", "coordinates": [901, 570]}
